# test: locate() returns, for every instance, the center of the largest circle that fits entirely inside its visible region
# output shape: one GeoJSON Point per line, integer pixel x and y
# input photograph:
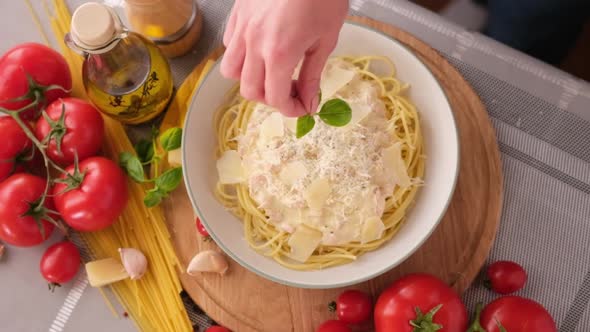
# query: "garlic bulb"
{"type": "Point", "coordinates": [134, 261]}
{"type": "Point", "coordinates": [208, 261]}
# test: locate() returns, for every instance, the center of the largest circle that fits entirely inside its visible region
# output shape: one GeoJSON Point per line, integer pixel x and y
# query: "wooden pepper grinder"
{"type": "Point", "coordinates": [174, 25]}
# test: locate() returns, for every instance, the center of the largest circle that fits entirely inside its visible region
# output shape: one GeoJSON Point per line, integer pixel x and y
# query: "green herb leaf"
{"type": "Point", "coordinates": [124, 157]}
{"type": "Point", "coordinates": [168, 181]}
{"type": "Point", "coordinates": [304, 125]}
{"type": "Point", "coordinates": [153, 198]}
{"type": "Point", "coordinates": [336, 112]}
{"type": "Point", "coordinates": [132, 166]}
{"type": "Point", "coordinates": [145, 150]}
{"type": "Point", "coordinates": [171, 139]}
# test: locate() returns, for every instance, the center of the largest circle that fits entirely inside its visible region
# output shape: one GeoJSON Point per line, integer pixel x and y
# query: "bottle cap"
{"type": "Point", "coordinates": [94, 25]}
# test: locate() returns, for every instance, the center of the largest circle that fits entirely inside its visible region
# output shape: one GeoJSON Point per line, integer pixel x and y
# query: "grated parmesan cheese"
{"type": "Point", "coordinates": [332, 178]}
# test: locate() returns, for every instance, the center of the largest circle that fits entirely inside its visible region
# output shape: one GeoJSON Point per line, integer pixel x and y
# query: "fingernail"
{"type": "Point", "coordinates": [315, 101]}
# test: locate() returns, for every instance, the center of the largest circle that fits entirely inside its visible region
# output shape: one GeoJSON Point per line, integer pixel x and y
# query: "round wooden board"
{"type": "Point", "coordinates": [455, 252]}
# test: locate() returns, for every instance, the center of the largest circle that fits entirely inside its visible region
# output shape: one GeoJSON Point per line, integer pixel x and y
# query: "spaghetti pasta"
{"type": "Point", "coordinates": [231, 122]}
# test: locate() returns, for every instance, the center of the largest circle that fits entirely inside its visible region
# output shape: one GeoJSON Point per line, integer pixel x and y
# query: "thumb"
{"type": "Point", "coordinates": [308, 83]}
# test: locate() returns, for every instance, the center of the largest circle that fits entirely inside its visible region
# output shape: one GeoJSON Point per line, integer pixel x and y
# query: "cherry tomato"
{"type": "Point", "coordinates": [98, 198]}
{"type": "Point", "coordinates": [505, 277]}
{"type": "Point", "coordinates": [44, 66]}
{"type": "Point", "coordinates": [516, 314]}
{"type": "Point", "coordinates": [397, 306]}
{"type": "Point", "coordinates": [81, 131]}
{"type": "Point", "coordinates": [353, 307]}
{"type": "Point", "coordinates": [18, 194]}
{"type": "Point", "coordinates": [14, 147]}
{"type": "Point", "coordinates": [202, 230]}
{"type": "Point", "coordinates": [217, 329]}
{"type": "Point", "coordinates": [333, 326]}
{"type": "Point", "coordinates": [60, 263]}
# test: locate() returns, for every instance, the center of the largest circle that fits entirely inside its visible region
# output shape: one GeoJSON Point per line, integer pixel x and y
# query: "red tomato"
{"type": "Point", "coordinates": [44, 66]}
{"type": "Point", "coordinates": [202, 230]}
{"type": "Point", "coordinates": [17, 221]}
{"type": "Point", "coordinates": [60, 263]}
{"type": "Point", "coordinates": [15, 145]}
{"type": "Point", "coordinates": [98, 200]}
{"type": "Point", "coordinates": [217, 329]}
{"type": "Point", "coordinates": [397, 306]}
{"type": "Point", "coordinates": [333, 326]}
{"type": "Point", "coordinates": [516, 314]}
{"type": "Point", "coordinates": [80, 133]}
{"type": "Point", "coordinates": [505, 277]}
{"type": "Point", "coordinates": [353, 307]}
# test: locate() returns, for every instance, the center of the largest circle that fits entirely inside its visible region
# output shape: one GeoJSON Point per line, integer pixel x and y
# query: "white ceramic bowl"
{"type": "Point", "coordinates": [442, 150]}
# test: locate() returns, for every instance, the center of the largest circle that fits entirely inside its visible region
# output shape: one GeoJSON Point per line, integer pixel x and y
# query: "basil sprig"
{"type": "Point", "coordinates": [335, 112]}
{"type": "Point", "coordinates": [146, 155]}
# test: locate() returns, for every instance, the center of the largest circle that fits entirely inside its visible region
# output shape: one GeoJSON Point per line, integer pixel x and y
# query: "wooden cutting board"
{"type": "Point", "coordinates": [455, 252]}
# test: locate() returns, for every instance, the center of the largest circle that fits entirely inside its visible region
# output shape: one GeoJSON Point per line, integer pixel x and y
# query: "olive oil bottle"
{"type": "Point", "coordinates": [125, 75]}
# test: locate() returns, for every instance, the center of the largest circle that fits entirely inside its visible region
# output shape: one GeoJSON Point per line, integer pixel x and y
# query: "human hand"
{"type": "Point", "coordinates": [266, 40]}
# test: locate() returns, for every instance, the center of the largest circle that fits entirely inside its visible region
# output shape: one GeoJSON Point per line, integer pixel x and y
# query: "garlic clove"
{"type": "Point", "coordinates": [208, 261]}
{"type": "Point", "coordinates": [134, 261]}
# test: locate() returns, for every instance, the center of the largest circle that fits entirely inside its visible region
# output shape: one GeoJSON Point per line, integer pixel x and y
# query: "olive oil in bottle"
{"type": "Point", "coordinates": [125, 75]}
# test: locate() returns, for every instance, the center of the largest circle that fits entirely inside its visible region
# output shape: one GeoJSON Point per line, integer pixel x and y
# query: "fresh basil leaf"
{"type": "Point", "coordinates": [171, 139]}
{"type": "Point", "coordinates": [145, 150]}
{"type": "Point", "coordinates": [336, 113]}
{"type": "Point", "coordinates": [153, 198]}
{"type": "Point", "coordinates": [168, 181]}
{"type": "Point", "coordinates": [132, 166]}
{"type": "Point", "coordinates": [124, 158]}
{"type": "Point", "coordinates": [304, 125]}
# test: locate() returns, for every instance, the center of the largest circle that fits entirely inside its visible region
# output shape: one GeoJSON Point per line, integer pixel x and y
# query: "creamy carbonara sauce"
{"type": "Point", "coordinates": [333, 179]}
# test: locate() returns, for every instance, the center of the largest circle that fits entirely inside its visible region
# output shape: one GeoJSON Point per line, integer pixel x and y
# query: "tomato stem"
{"type": "Point", "coordinates": [332, 306]}
{"type": "Point", "coordinates": [38, 211]}
{"type": "Point", "coordinates": [52, 286]}
{"type": "Point", "coordinates": [72, 181]}
{"type": "Point", "coordinates": [476, 326]}
{"type": "Point", "coordinates": [58, 128]}
{"type": "Point", "coordinates": [36, 93]}
{"type": "Point", "coordinates": [39, 146]}
{"type": "Point", "coordinates": [425, 322]}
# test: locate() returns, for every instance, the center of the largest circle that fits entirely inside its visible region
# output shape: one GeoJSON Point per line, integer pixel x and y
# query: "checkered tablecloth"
{"type": "Point", "coordinates": [542, 119]}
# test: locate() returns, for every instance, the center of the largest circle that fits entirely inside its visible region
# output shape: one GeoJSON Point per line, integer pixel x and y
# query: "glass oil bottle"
{"type": "Point", "coordinates": [125, 75]}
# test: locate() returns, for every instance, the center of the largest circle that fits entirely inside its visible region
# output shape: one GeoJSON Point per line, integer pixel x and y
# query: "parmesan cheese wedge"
{"type": "Point", "coordinates": [175, 157]}
{"type": "Point", "coordinates": [359, 112]}
{"type": "Point", "coordinates": [292, 172]}
{"type": "Point", "coordinates": [229, 168]}
{"type": "Point", "coordinates": [317, 193]}
{"type": "Point", "coordinates": [303, 242]}
{"type": "Point", "coordinates": [335, 79]}
{"type": "Point", "coordinates": [372, 229]}
{"type": "Point", "coordinates": [272, 126]}
{"type": "Point", "coordinates": [290, 123]}
{"type": "Point", "coordinates": [393, 162]}
{"type": "Point", "coordinates": [105, 272]}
